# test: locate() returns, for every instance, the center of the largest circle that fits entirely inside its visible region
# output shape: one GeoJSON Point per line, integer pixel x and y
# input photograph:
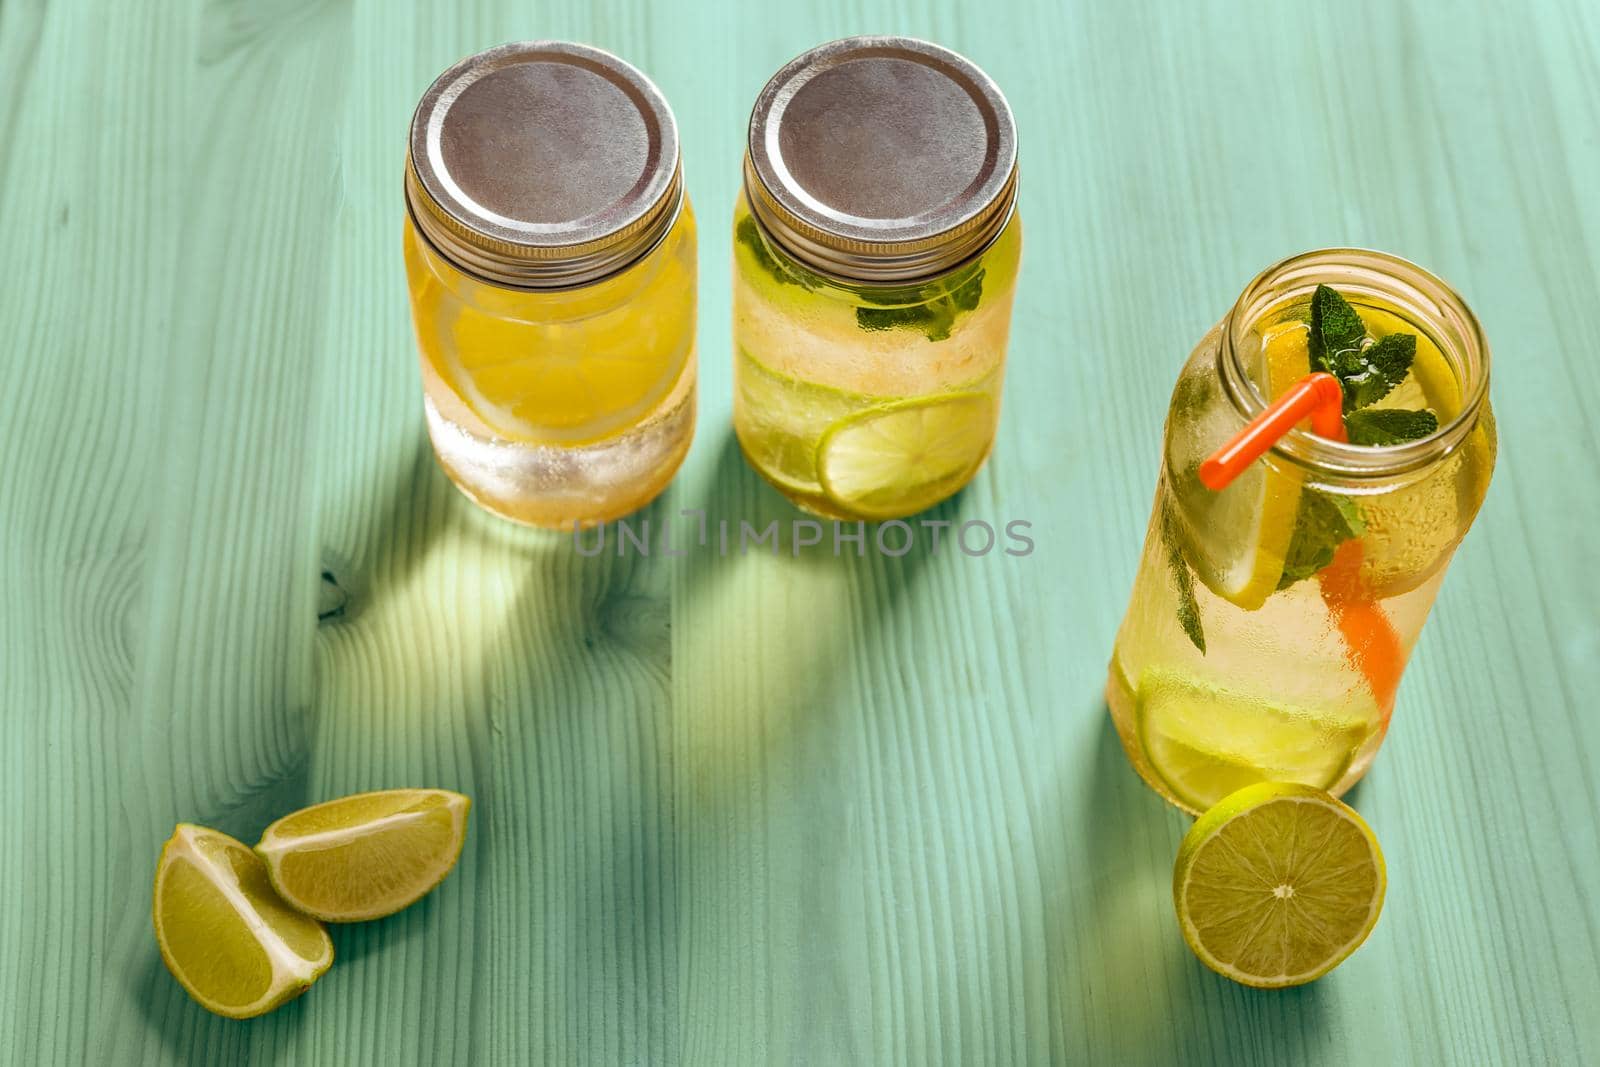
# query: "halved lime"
{"type": "Point", "coordinates": [1277, 885]}
{"type": "Point", "coordinates": [1205, 741]}
{"type": "Point", "coordinates": [900, 458]}
{"type": "Point", "coordinates": [224, 934]}
{"type": "Point", "coordinates": [367, 855]}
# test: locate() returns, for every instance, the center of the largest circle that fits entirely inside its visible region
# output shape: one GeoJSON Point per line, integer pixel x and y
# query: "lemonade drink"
{"type": "Point", "coordinates": [876, 247]}
{"type": "Point", "coordinates": [867, 402]}
{"type": "Point", "coordinates": [1270, 621]}
{"type": "Point", "coordinates": [550, 250]}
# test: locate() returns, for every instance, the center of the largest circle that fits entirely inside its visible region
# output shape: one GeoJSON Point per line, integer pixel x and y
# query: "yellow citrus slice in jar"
{"type": "Point", "coordinates": [1412, 528]}
{"type": "Point", "coordinates": [1238, 537]}
{"type": "Point", "coordinates": [564, 367]}
{"type": "Point", "coordinates": [1205, 741]}
{"type": "Point", "coordinates": [901, 458]}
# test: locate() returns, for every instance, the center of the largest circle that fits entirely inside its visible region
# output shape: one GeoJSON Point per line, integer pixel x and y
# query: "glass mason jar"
{"type": "Point", "coordinates": [1270, 621]}
{"type": "Point", "coordinates": [876, 246]}
{"type": "Point", "coordinates": [550, 251]}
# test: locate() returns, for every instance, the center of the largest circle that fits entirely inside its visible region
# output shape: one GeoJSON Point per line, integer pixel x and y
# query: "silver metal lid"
{"type": "Point", "coordinates": [543, 164]}
{"type": "Point", "coordinates": [881, 159]}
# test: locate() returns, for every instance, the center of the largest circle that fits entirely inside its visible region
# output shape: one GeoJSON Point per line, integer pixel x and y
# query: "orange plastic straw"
{"type": "Point", "coordinates": [1371, 640]}
{"type": "Point", "coordinates": [1317, 397]}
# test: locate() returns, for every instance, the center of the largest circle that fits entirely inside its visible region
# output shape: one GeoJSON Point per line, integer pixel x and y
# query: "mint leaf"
{"type": "Point", "coordinates": [1366, 375]}
{"type": "Point", "coordinates": [748, 233]}
{"type": "Point", "coordinates": [931, 309]}
{"type": "Point", "coordinates": [1324, 522]}
{"type": "Point", "coordinates": [1391, 357]}
{"type": "Point", "coordinates": [917, 317]}
{"type": "Point", "coordinates": [1377, 369]}
{"type": "Point", "coordinates": [1336, 331]}
{"type": "Point", "coordinates": [1188, 605]}
{"type": "Point", "coordinates": [1389, 426]}
{"type": "Point", "coordinates": [966, 295]}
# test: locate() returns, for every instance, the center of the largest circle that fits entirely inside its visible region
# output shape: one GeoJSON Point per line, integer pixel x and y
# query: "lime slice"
{"type": "Point", "coordinates": [1243, 532]}
{"type": "Point", "coordinates": [365, 856]}
{"type": "Point", "coordinates": [900, 458]}
{"type": "Point", "coordinates": [225, 935]}
{"type": "Point", "coordinates": [781, 419]}
{"type": "Point", "coordinates": [1205, 742]}
{"type": "Point", "coordinates": [1278, 885]}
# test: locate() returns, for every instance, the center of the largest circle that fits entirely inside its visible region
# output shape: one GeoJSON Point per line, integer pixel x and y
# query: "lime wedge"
{"type": "Point", "coordinates": [1277, 885]}
{"type": "Point", "coordinates": [1244, 530]}
{"type": "Point", "coordinates": [224, 934]}
{"type": "Point", "coordinates": [898, 459]}
{"type": "Point", "coordinates": [365, 856]}
{"type": "Point", "coordinates": [1205, 742]}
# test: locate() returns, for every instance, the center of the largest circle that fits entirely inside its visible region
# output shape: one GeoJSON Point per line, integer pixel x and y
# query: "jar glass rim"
{"type": "Point", "coordinates": [1413, 290]}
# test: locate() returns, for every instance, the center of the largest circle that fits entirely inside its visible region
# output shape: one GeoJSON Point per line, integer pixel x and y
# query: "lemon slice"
{"type": "Point", "coordinates": [898, 459]}
{"type": "Point", "coordinates": [560, 367]}
{"type": "Point", "coordinates": [1431, 380]}
{"type": "Point", "coordinates": [1242, 533]}
{"type": "Point", "coordinates": [367, 855]}
{"type": "Point", "coordinates": [1277, 885]}
{"type": "Point", "coordinates": [1205, 742]}
{"type": "Point", "coordinates": [225, 935]}
{"type": "Point", "coordinates": [1413, 529]}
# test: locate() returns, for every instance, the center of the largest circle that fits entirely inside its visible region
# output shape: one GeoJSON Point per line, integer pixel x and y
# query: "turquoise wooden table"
{"type": "Point", "coordinates": [751, 809]}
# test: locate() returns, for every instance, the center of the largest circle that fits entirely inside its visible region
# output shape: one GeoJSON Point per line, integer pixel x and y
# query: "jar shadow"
{"type": "Point", "coordinates": [413, 507]}
{"type": "Point", "coordinates": [774, 636]}
{"type": "Point", "coordinates": [1154, 1001]}
{"type": "Point", "coordinates": [647, 724]}
{"type": "Point", "coordinates": [805, 687]}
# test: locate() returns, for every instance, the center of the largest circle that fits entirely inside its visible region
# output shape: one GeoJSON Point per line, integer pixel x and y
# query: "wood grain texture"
{"type": "Point", "coordinates": [755, 809]}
